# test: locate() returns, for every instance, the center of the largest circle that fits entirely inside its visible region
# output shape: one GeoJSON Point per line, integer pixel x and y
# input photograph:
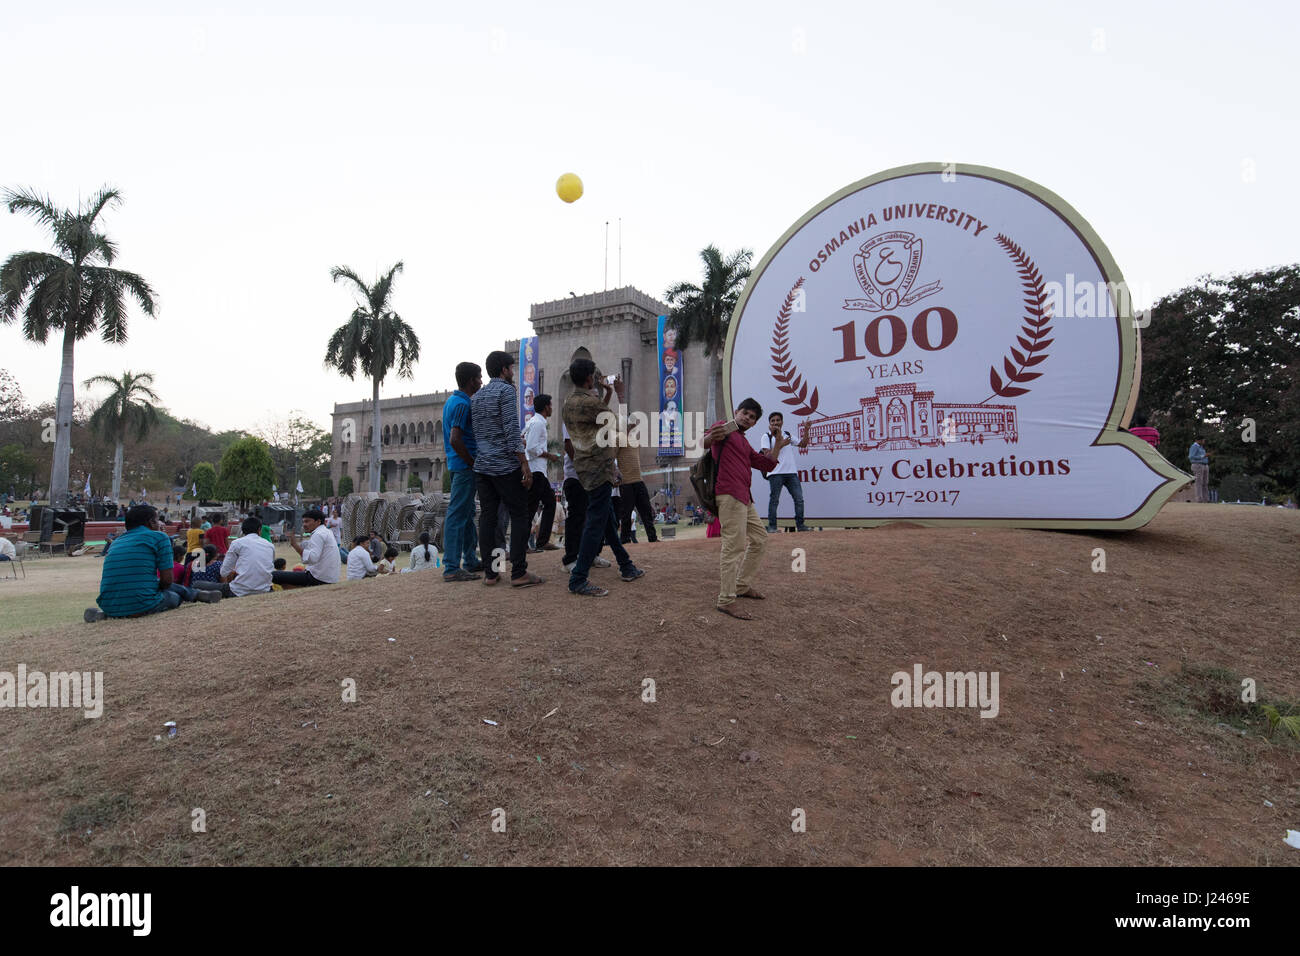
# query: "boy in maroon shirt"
{"type": "Point", "coordinates": [743, 534]}
{"type": "Point", "coordinates": [219, 535]}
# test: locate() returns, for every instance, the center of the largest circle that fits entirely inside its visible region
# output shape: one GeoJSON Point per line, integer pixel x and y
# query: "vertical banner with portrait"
{"type": "Point", "coordinates": [527, 383]}
{"type": "Point", "coordinates": [671, 392]}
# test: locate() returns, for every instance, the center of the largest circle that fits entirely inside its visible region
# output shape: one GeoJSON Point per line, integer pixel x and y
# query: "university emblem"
{"type": "Point", "coordinates": [886, 266]}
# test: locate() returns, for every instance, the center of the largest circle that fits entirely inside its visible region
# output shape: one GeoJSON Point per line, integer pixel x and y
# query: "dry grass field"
{"type": "Point", "coordinates": [1118, 690]}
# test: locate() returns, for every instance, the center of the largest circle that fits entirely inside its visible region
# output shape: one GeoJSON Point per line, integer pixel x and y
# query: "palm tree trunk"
{"type": "Point", "coordinates": [711, 402]}
{"type": "Point", "coordinates": [375, 442]}
{"type": "Point", "coordinates": [117, 468]}
{"type": "Point", "coordinates": [63, 421]}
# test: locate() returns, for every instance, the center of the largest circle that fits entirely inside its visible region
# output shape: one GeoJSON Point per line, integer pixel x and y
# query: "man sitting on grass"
{"type": "Point", "coordinates": [320, 555]}
{"type": "Point", "coordinates": [360, 563]}
{"type": "Point", "coordinates": [247, 566]}
{"type": "Point", "coordinates": [137, 575]}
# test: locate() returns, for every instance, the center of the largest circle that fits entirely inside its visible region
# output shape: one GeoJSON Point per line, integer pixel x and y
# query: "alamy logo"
{"type": "Point", "coordinates": [103, 909]}
{"type": "Point", "coordinates": [83, 689]}
{"type": "Point", "coordinates": [951, 689]}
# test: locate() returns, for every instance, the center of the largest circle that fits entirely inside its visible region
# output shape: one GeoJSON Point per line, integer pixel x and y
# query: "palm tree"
{"type": "Point", "coordinates": [130, 407]}
{"type": "Point", "coordinates": [375, 338]}
{"type": "Point", "coordinates": [73, 289]}
{"type": "Point", "coordinates": [702, 313]}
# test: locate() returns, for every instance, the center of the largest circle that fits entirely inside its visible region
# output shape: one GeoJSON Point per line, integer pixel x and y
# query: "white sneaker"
{"type": "Point", "coordinates": [598, 562]}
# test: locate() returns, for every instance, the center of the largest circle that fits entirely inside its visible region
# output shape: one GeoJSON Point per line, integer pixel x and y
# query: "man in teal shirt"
{"type": "Point", "coordinates": [137, 575]}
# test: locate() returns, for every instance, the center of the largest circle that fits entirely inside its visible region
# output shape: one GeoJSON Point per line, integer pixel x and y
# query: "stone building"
{"type": "Point", "coordinates": [616, 329]}
{"type": "Point", "coordinates": [411, 441]}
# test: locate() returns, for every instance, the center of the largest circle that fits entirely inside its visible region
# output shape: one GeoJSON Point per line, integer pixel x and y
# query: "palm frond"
{"type": "Point", "coordinates": [20, 273]}
{"type": "Point", "coordinates": [31, 203]}
{"type": "Point", "coordinates": [98, 203]}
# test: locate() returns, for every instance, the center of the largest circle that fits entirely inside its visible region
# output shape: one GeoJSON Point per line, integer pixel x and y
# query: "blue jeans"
{"type": "Point", "coordinates": [776, 483]}
{"type": "Point", "coordinates": [459, 537]}
{"type": "Point", "coordinates": [168, 600]}
{"type": "Point", "coordinates": [182, 592]}
{"type": "Point", "coordinates": [599, 526]}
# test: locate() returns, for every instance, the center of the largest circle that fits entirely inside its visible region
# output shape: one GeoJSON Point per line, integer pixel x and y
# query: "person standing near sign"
{"type": "Point", "coordinates": [1200, 460]}
{"type": "Point", "coordinates": [541, 493]}
{"type": "Point", "coordinates": [743, 535]}
{"type": "Point", "coordinates": [594, 463]}
{"type": "Point", "coordinates": [501, 470]}
{"type": "Point", "coordinates": [784, 474]}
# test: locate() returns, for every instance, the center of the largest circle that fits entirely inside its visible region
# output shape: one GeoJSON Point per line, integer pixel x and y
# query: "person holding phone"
{"type": "Point", "coordinates": [784, 475]}
{"type": "Point", "coordinates": [743, 534]}
{"type": "Point", "coordinates": [594, 463]}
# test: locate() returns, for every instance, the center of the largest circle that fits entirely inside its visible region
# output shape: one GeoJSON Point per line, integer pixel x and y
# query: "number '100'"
{"type": "Point", "coordinates": [898, 334]}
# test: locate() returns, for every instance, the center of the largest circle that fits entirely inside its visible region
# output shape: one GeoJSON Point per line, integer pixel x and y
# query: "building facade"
{"type": "Point", "coordinates": [410, 441]}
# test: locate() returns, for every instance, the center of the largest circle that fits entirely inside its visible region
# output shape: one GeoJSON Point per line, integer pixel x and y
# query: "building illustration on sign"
{"type": "Point", "coordinates": [898, 416]}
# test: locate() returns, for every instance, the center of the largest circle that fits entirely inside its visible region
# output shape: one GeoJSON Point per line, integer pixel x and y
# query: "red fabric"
{"type": "Point", "coordinates": [219, 537]}
{"type": "Point", "coordinates": [714, 530]}
{"type": "Point", "coordinates": [735, 457]}
{"type": "Point", "coordinates": [1147, 434]}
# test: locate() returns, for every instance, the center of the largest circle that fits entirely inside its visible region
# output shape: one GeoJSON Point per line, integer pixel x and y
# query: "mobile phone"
{"type": "Point", "coordinates": [609, 379]}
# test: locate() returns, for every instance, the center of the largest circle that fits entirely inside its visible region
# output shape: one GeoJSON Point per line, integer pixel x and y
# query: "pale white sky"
{"type": "Point", "coordinates": [255, 151]}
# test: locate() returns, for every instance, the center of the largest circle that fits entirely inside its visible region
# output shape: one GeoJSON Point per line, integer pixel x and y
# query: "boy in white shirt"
{"type": "Point", "coordinates": [249, 562]}
{"type": "Point", "coordinates": [360, 564]}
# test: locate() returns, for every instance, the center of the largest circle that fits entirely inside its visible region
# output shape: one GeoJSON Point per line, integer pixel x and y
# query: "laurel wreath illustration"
{"type": "Point", "coordinates": [1033, 342]}
{"type": "Point", "coordinates": [786, 373]}
{"type": "Point", "coordinates": [1036, 328]}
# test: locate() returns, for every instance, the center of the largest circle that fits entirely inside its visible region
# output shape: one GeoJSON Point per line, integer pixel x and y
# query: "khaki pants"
{"type": "Point", "coordinates": [743, 538]}
{"type": "Point", "coordinates": [1202, 475]}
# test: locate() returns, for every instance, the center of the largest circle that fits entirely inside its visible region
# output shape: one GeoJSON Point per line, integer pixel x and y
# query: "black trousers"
{"type": "Point", "coordinates": [493, 491]}
{"type": "Point", "coordinates": [635, 495]}
{"type": "Point", "coordinates": [541, 492]}
{"type": "Point", "coordinates": [298, 579]}
{"type": "Point", "coordinates": [575, 517]}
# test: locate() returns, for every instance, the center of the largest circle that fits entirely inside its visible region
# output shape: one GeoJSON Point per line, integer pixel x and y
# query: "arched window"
{"type": "Point", "coordinates": [435, 435]}
{"type": "Point", "coordinates": [387, 435]}
{"type": "Point", "coordinates": [419, 433]}
{"type": "Point", "coordinates": [370, 434]}
{"type": "Point", "coordinates": [401, 435]}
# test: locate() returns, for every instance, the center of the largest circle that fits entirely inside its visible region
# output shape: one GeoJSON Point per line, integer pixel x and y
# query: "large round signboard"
{"type": "Point", "coordinates": [959, 347]}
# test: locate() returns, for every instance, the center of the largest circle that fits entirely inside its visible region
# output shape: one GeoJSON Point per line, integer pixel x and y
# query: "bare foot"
{"type": "Point", "coordinates": [752, 594]}
{"type": "Point", "coordinates": [736, 612]}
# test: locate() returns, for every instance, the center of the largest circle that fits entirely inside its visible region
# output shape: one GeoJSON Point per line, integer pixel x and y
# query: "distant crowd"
{"type": "Point", "coordinates": [146, 571]}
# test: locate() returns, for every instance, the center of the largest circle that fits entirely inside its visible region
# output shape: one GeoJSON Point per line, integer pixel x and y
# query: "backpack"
{"type": "Point", "coordinates": [704, 477]}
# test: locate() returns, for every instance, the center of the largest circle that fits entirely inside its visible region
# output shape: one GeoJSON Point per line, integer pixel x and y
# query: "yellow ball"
{"type": "Point", "coordinates": [569, 187]}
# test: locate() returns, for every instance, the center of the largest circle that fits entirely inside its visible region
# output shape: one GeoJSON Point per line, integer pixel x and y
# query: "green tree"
{"type": "Point", "coordinates": [301, 451]}
{"type": "Point", "coordinates": [204, 481]}
{"type": "Point", "coordinates": [247, 472]}
{"type": "Point", "coordinates": [17, 470]}
{"type": "Point", "coordinates": [446, 481]}
{"type": "Point", "coordinates": [74, 290]}
{"type": "Point", "coordinates": [1222, 354]}
{"type": "Point", "coordinates": [374, 338]}
{"type": "Point", "coordinates": [131, 407]}
{"type": "Point", "coordinates": [414, 482]}
{"type": "Point", "coordinates": [702, 313]}
{"type": "Point", "coordinates": [327, 487]}
{"type": "Point", "coordinates": [345, 486]}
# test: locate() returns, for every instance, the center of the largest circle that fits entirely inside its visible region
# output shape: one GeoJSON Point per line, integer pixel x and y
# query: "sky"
{"type": "Point", "coordinates": [255, 150]}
